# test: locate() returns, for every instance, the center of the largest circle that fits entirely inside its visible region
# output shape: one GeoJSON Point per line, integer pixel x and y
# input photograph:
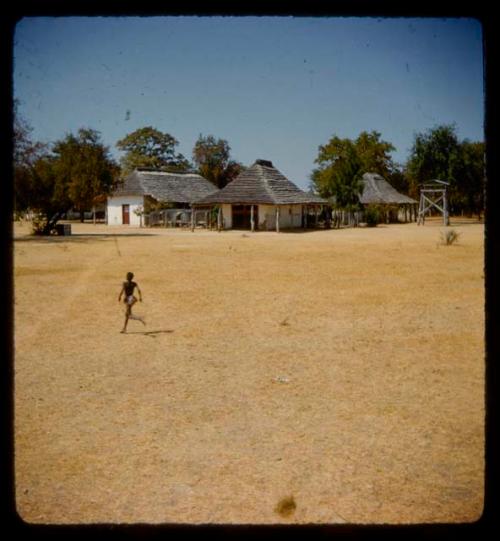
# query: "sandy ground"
{"type": "Point", "coordinates": [343, 368]}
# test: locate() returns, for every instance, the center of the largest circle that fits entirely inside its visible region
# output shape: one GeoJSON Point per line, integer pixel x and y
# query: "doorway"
{"type": "Point", "coordinates": [241, 216]}
{"type": "Point", "coordinates": [126, 214]}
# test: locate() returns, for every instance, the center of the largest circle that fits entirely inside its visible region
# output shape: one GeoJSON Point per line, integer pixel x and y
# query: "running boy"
{"type": "Point", "coordinates": [129, 299]}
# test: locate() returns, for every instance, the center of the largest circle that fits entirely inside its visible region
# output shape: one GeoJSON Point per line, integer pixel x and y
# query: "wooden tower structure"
{"type": "Point", "coordinates": [433, 195]}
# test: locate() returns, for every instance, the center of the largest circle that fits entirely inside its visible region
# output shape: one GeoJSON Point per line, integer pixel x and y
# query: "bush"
{"type": "Point", "coordinates": [372, 215]}
{"type": "Point", "coordinates": [449, 237]}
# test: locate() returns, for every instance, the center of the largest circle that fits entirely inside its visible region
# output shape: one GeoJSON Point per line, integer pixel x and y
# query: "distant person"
{"type": "Point", "coordinates": [129, 299]}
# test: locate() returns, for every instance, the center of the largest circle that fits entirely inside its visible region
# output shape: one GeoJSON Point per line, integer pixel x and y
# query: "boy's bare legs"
{"type": "Point", "coordinates": [138, 318]}
{"type": "Point", "coordinates": [127, 316]}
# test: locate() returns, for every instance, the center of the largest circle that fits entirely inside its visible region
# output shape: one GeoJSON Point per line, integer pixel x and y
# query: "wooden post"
{"type": "Point", "coordinates": [192, 219]}
{"type": "Point", "coordinates": [219, 219]}
{"type": "Point", "coordinates": [445, 210]}
{"type": "Point", "coordinates": [277, 219]}
{"type": "Point", "coordinates": [316, 217]}
{"type": "Point", "coordinates": [252, 224]}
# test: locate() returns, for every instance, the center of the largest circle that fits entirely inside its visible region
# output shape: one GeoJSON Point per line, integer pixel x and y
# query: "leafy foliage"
{"type": "Point", "coordinates": [438, 154]}
{"type": "Point", "coordinates": [212, 157]}
{"type": "Point", "coordinates": [26, 153]}
{"type": "Point", "coordinates": [374, 154]}
{"type": "Point", "coordinates": [373, 215]}
{"type": "Point", "coordinates": [77, 173]}
{"type": "Point", "coordinates": [84, 168]}
{"type": "Point", "coordinates": [342, 163]}
{"type": "Point", "coordinates": [149, 147]}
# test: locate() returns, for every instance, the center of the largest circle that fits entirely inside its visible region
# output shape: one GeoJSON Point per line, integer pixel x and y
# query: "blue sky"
{"type": "Point", "coordinates": [273, 87]}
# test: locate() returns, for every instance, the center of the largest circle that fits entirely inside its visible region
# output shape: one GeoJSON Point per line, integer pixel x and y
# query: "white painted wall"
{"type": "Point", "coordinates": [267, 217]}
{"type": "Point", "coordinates": [227, 214]}
{"type": "Point", "coordinates": [114, 209]}
{"type": "Point", "coordinates": [290, 216]}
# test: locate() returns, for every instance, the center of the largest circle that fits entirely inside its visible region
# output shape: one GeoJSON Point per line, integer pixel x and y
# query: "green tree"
{"type": "Point", "coordinates": [471, 180]}
{"type": "Point", "coordinates": [212, 158]}
{"type": "Point", "coordinates": [338, 176]}
{"type": "Point", "coordinates": [26, 153]}
{"type": "Point", "coordinates": [76, 173]}
{"type": "Point", "coordinates": [149, 147]}
{"type": "Point", "coordinates": [438, 154]}
{"type": "Point", "coordinates": [434, 154]}
{"type": "Point", "coordinates": [398, 178]}
{"type": "Point", "coordinates": [374, 154]}
{"type": "Point", "coordinates": [342, 163]}
{"type": "Point", "coordinates": [52, 200]}
{"type": "Point", "coordinates": [83, 165]}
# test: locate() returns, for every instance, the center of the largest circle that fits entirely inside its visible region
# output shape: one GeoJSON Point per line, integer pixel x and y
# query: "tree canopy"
{"type": "Point", "coordinates": [213, 160]}
{"type": "Point", "coordinates": [77, 172]}
{"type": "Point", "coordinates": [342, 163]}
{"type": "Point", "coordinates": [149, 147]}
{"type": "Point", "coordinates": [84, 165]}
{"type": "Point", "coordinates": [439, 154]}
{"type": "Point", "coordinates": [26, 153]}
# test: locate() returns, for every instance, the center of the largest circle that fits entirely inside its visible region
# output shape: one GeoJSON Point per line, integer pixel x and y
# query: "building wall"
{"type": "Point", "coordinates": [114, 209]}
{"type": "Point", "coordinates": [227, 215]}
{"type": "Point", "coordinates": [290, 217]}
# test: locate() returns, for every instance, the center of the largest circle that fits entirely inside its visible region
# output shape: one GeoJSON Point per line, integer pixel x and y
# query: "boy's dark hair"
{"type": "Point", "coordinates": [130, 275]}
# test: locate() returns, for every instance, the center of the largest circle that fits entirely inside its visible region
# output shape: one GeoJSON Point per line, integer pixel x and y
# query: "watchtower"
{"type": "Point", "coordinates": [433, 194]}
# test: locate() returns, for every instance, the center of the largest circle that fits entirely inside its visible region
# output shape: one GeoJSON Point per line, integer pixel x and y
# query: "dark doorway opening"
{"type": "Point", "coordinates": [242, 214]}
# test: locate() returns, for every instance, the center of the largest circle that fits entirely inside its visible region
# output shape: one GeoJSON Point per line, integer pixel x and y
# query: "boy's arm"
{"type": "Point", "coordinates": [121, 292]}
{"type": "Point", "coordinates": [139, 291]}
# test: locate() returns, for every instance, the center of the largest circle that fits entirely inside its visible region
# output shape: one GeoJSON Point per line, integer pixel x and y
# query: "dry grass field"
{"type": "Point", "coordinates": [341, 369]}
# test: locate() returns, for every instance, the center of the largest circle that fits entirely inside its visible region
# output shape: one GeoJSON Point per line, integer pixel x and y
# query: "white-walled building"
{"type": "Point", "coordinates": [262, 198]}
{"type": "Point", "coordinates": [144, 187]}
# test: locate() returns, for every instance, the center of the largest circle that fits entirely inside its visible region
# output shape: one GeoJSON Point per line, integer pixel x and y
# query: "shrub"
{"type": "Point", "coordinates": [372, 215]}
{"type": "Point", "coordinates": [449, 237]}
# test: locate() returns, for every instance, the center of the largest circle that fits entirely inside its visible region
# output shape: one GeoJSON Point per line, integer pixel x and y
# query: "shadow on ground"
{"type": "Point", "coordinates": [153, 334]}
{"type": "Point", "coordinates": [78, 237]}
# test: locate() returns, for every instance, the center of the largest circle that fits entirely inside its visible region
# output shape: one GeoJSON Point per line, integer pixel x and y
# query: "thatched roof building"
{"type": "Point", "coordinates": [261, 184]}
{"type": "Point", "coordinates": [166, 186]}
{"type": "Point", "coordinates": [376, 190]}
{"type": "Point", "coordinates": [261, 197]}
{"type": "Point", "coordinates": [144, 187]}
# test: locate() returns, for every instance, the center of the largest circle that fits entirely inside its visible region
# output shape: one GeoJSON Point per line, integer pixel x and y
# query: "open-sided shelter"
{"type": "Point", "coordinates": [377, 191]}
{"type": "Point", "coordinates": [260, 197]}
{"type": "Point", "coordinates": [145, 188]}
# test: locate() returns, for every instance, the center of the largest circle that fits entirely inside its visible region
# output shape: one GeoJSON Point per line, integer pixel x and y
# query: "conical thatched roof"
{"type": "Point", "coordinates": [165, 186]}
{"type": "Point", "coordinates": [261, 184]}
{"type": "Point", "coordinates": [377, 190]}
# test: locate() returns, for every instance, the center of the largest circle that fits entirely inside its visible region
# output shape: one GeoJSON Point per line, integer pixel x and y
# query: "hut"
{"type": "Point", "coordinates": [377, 191]}
{"type": "Point", "coordinates": [144, 190]}
{"type": "Point", "coordinates": [262, 198]}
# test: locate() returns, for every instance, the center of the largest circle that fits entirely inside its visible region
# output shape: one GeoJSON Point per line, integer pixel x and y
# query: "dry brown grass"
{"type": "Point", "coordinates": [344, 367]}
